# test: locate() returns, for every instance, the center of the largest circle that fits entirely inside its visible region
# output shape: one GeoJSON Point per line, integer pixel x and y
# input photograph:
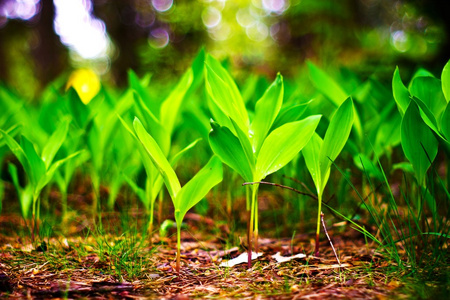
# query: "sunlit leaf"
{"type": "Point", "coordinates": [158, 159]}
{"type": "Point", "coordinates": [266, 110]}
{"type": "Point", "coordinates": [401, 93]}
{"type": "Point", "coordinates": [418, 142]}
{"type": "Point", "coordinates": [223, 90]}
{"type": "Point", "coordinates": [171, 106]}
{"type": "Point", "coordinates": [54, 142]}
{"type": "Point", "coordinates": [311, 154]}
{"type": "Point", "coordinates": [290, 113]}
{"type": "Point", "coordinates": [197, 188]}
{"type": "Point", "coordinates": [283, 144]}
{"type": "Point", "coordinates": [445, 79]}
{"type": "Point", "coordinates": [326, 85]}
{"type": "Point", "coordinates": [336, 136]}
{"type": "Point", "coordinates": [37, 166]}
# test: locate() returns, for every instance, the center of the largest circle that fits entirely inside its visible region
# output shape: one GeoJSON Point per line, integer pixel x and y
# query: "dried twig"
{"type": "Point", "coordinates": [331, 243]}
{"type": "Point", "coordinates": [282, 186]}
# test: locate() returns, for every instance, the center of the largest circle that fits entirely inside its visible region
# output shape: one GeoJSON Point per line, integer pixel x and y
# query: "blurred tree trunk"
{"type": "Point", "coordinates": [50, 56]}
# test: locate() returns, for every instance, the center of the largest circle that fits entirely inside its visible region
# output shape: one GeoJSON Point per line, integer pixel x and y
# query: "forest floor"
{"type": "Point", "coordinates": [99, 265]}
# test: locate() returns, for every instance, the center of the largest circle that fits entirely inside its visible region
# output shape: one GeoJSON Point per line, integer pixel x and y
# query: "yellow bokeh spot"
{"type": "Point", "coordinates": [85, 82]}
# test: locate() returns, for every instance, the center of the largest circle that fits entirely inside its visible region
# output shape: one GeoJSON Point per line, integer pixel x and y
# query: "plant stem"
{"type": "Point", "coordinates": [178, 247]}
{"type": "Point", "coordinates": [253, 224]}
{"type": "Point", "coordinates": [319, 212]}
{"type": "Point", "coordinates": [255, 233]}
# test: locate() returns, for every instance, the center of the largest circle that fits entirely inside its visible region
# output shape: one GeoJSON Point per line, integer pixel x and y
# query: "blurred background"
{"type": "Point", "coordinates": [42, 40]}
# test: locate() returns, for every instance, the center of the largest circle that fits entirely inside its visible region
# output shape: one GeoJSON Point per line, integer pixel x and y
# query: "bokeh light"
{"type": "Point", "coordinates": [162, 5]}
{"type": "Point", "coordinates": [79, 30]}
{"type": "Point", "coordinates": [159, 38]}
{"type": "Point", "coordinates": [19, 9]}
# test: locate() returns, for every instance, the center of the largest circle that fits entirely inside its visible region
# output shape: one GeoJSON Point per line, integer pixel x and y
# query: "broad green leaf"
{"type": "Point", "coordinates": [418, 142]}
{"type": "Point", "coordinates": [229, 149]}
{"type": "Point", "coordinates": [12, 131]}
{"type": "Point", "coordinates": [388, 134]}
{"type": "Point", "coordinates": [401, 93]}
{"type": "Point", "coordinates": [429, 90]}
{"type": "Point", "coordinates": [445, 123]}
{"type": "Point", "coordinates": [283, 144]}
{"type": "Point", "coordinates": [266, 110]}
{"type": "Point", "coordinates": [154, 126]}
{"type": "Point", "coordinates": [197, 188]}
{"type": "Point", "coordinates": [171, 106]}
{"type": "Point", "coordinates": [326, 85]}
{"type": "Point", "coordinates": [54, 142]}
{"type": "Point", "coordinates": [336, 136]}
{"type": "Point", "coordinates": [223, 91]}
{"type": "Point", "coordinates": [311, 154]}
{"type": "Point", "coordinates": [17, 150]}
{"type": "Point", "coordinates": [37, 166]}
{"type": "Point", "coordinates": [245, 144]}
{"type": "Point", "coordinates": [158, 159]}
{"type": "Point", "coordinates": [445, 79]}
{"type": "Point", "coordinates": [290, 113]}
{"type": "Point", "coordinates": [427, 116]}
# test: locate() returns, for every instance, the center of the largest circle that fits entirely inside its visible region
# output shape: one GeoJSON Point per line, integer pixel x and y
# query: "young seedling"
{"type": "Point", "coordinates": [183, 198]}
{"type": "Point", "coordinates": [251, 149]}
{"type": "Point", "coordinates": [319, 154]}
{"type": "Point", "coordinates": [39, 169]}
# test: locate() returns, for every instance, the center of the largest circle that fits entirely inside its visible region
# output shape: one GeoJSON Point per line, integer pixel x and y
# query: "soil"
{"type": "Point", "coordinates": [108, 266]}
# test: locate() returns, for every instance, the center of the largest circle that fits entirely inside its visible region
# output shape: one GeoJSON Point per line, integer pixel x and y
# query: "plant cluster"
{"type": "Point", "coordinates": [135, 141]}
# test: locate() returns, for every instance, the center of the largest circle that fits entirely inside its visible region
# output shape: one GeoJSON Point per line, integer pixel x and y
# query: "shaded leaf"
{"type": "Point", "coordinates": [429, 90]}
{"type": "Point", "coordinates": [418, 142]}
{"type": "Point", "coordinates": [229, 149]}
{"type": "Point", "coordinates": [445, 123]}
{"type": "Point", "coordinates": [311, 154]}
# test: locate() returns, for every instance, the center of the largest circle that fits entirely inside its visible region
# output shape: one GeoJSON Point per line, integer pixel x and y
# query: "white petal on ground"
{"type": "Point", "coordinates": [243, 258]}
{"type": "Point", "coordinates": [282, 259]}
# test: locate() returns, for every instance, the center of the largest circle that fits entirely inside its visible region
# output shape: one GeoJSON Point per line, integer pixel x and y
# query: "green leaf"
{"type": "Point", "coordinates": [445, 80]}
{"type": "Point", "coordinates": [362, 162]}
{"type": "Point", "coordinates": [37, 166]}
{"type": "Point", "coordinates": [17, 150]}
{"type": "Point", "coordinates": [140, 87]}
{"type": "Point", "coordinates": [45, 179]}
{"type": "Point", "coordinates": [283, 144]}
{"type": "Point", "coordinates": [79, 111]}
{"type": "Point", "coordinates": [266, 110]}
{"type": "Point", "coordinates": [155, 128]}
{"type": "Point", "coordinates": [290, 113]}
{"type": "Point", "coordinates": [326, 85]}
{"type": "Point", "coordinates": [229, 149]}
{"type": "Point", "coordinates": [245, 144]}
{"type": "Point", "coordinates": [197, 188]}
{"type": "Point", "coordinates": [54, 142]}
{"type": "Point", "coordinates": [427, 116]}
{"type": "Point", "coordinates": [429, 90]}
{"type": "Point", "coordinates": [25, 195]}
{"type": "Point", "coordinates": [311, 154]}
{"type": "Point", "coordinates": [337, 135]}
{"type": "Point", "coordinates": [223, 91]}
{"type": "Point", "coordinates": [171, 106]}
{"type": "Point", "coordinates": [418, 142]}
{"type": "Point", "coordinates": [158, 159]}
{"type": "Point", "coordinates": [401, 93]}
{"type": "Point", "coordinates": [445, 123]}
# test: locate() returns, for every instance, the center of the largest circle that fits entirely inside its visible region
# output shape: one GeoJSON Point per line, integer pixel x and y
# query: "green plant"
{"type": "Point", "coordinates": [319, 154]}
{"type": "Point", "coordinates": [254, 150]}
{"type": "Point", "coordinates": [39, 169]}
{"type": "Point", "coordinates": [183, 198]}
